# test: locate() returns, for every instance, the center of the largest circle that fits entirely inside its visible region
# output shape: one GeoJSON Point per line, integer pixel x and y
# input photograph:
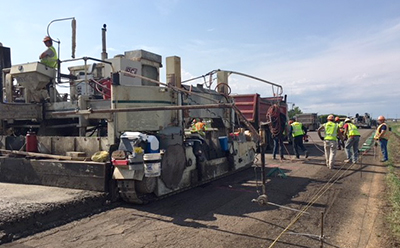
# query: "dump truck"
{"type": "Point", "coordinates": [255, 108]}
{"type": "Point", "coordinates": [309, 120]}
{"type": "Point", "coordinates": [118, 128]}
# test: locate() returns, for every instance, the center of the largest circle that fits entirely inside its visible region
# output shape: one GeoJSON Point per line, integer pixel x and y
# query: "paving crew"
{"type": "Point", "coordinates": [382, 135]}
{"type": "Point", "coordinates": [330, 140]}
{"type": "Point", "coordinates": [298, 131]}
{"type": "Point", "coordinates": [49, 57]}
{"type": "Point", "coordinates": [340, 124]}
{"type": "Point", "coordinates": [352, 142]}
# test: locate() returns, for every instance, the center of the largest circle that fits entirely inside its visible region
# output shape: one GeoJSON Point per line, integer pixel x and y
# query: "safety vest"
{"type": "Point", "coordinates": [199, 126]}
{"type": "Point", "coordinates": [378, 131]}
{"type": "Point", "coordinates": [50, 61]}
{"type": "Point", "coordinates": [352, 130]}
{"type": "Point", "coordinates": [297, 129]}
{"type": "Point", "coordinates": [341, 124]}
{"type": "Point", "coordinates": [331, 130]}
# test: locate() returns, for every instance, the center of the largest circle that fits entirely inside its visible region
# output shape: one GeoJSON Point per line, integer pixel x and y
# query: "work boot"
{"type": "Point", "coordinates": [347, 161]}
{"type": "Point", "coordinates": [298, 156]}
{"type": "Point", "coordinates": [306, 154]}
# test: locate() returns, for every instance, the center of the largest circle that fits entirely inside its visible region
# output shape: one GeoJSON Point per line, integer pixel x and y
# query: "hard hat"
{"type": "Point", "coordinates": [47, 38]}
{"type": "Point", "coordinates": [337, 118]}
{"type": "Point", "coordinates": [381, 118]}
{"type": "Point", "coordinates": [347, 120]}
{"type": "Point", "coordinates": [330, 118]}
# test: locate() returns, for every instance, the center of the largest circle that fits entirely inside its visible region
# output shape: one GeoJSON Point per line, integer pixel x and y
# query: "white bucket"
{"type": "Point", "coordinates": [152, 164]}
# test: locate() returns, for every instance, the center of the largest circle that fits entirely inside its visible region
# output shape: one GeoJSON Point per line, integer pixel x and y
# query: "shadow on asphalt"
{"type": "Point", "coordinates": [230, 196]}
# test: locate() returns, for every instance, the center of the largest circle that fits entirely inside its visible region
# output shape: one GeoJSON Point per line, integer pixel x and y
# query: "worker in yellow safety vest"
{"type": "Point", "coordinates": [352, 142]}
{"type": "Point", "coordinates": [340, 124]}
{"type": "Point", "coordinates": [331, 130]}
{"type": "Point", "coordinates": [382, 135]}
{"type": "Point", "coordinates": [198, 127]}
{"type": "Point", "coordinates": [49, 57]}
{"type": "Point", "coordinates": [298, 131]}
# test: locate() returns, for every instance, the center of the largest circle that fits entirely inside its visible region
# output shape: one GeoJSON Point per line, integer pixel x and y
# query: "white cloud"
{"type": "Point", "coordinates": [357, 70]}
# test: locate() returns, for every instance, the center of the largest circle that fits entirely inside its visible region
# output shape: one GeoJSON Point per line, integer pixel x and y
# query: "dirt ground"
{"type": "Point", "coordinates": [221, 213]}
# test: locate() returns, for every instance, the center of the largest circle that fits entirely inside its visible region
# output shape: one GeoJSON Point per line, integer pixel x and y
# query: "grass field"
{"type": "Point", "coordinates": [393, 180]}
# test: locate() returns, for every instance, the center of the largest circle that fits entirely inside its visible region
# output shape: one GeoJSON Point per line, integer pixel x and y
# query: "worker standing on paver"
{"type": "Point", "coordinates": [330, 140]}
{"type": "Point", "coordinates": [352, 142]}
{"type": "Point", "coordinates": [381, 134]}
{"type": "Point", "coordinates": [297, 130]}
{"type": "Point", "coordinates": [200, 127]}
{"type": "Point", "coordinates": [49, 57]}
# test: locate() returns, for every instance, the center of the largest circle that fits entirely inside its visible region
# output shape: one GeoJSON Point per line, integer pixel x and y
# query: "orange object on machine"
{"type": "Point", "coordinates": [118, 162]}
{"type": "Point", "coordinates": [31, 142]}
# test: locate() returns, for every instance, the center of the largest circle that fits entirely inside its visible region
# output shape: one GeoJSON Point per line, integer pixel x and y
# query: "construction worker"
{"type": "Point", "coordinates": [277, 136]}
{"type": "Point", "coordinates": [330, 140]}
{"type": "Point", "coordinates": [200, 127]}
{"type": "Point", "coordinates": [382, 135]}
{"type": "Point", "coordinates": [49, 57]}
{"type": "Point", "coordinates": [298, 131]}
{"type": "Point", "coordinates": [340, 124]}
{"type": "Point", "coordinates": [193, 125]}
{"type": "Point", "coordinates": [353, 139]}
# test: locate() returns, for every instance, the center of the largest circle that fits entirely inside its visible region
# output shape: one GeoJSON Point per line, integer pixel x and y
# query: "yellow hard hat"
{"type": "Point", "coordinates": [330, 118]}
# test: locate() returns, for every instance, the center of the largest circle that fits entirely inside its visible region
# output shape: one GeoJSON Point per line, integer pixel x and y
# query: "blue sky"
{"type": "Point", "coordinates": [329, 56]}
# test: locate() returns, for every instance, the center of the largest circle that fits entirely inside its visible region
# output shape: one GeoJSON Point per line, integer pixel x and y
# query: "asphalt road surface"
{"type": "Point", "coordinates": [222, 214]}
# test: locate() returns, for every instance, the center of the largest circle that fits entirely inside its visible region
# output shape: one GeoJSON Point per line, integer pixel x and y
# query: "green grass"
{"type": "Point", "coordinates": [396, 128]}
{"type": "Point", "coordinates": [393, 181]}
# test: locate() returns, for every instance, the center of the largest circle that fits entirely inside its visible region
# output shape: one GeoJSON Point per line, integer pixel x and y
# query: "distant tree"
{"type": "Point", "coordinates": [294, 111]}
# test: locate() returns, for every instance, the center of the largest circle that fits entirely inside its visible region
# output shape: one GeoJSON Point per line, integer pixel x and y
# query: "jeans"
{"type": "Point", "coordinates": [330, 147]}
{"type": "Point", "coordinates": [352, 144]}
{"type": "Point", "coordinates": [278, 141]}
{"type": "Point", "coordinates": [298, 143]}
{"type": "Point", "coordinates": [384, 150]}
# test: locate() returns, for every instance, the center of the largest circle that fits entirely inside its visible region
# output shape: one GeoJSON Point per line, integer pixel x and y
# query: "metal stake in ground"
{"type": "Point", "coordinates": [321, 236]}
{"type": "Point", "coordinates": [262, 199]}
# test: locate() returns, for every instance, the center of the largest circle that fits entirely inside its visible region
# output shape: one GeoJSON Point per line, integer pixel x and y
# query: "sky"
{"type": "Point", "coordinates": [339, 56]}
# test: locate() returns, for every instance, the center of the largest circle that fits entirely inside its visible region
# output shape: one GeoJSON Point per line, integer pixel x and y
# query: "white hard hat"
{"type": "Point", "coordinates": [347, 120]}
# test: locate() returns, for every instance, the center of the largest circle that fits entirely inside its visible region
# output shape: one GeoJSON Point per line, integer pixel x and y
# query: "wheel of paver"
{"type": "Point", "coordinates": [147, 185]}
{"type": "Point", "coordinates": [173, 164]}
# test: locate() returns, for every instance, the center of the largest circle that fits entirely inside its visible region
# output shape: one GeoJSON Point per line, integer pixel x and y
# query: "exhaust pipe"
{"type": "Point", "coordinates": [73, 25]}
{"type": "Point", "coordinates": [104, 55]}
